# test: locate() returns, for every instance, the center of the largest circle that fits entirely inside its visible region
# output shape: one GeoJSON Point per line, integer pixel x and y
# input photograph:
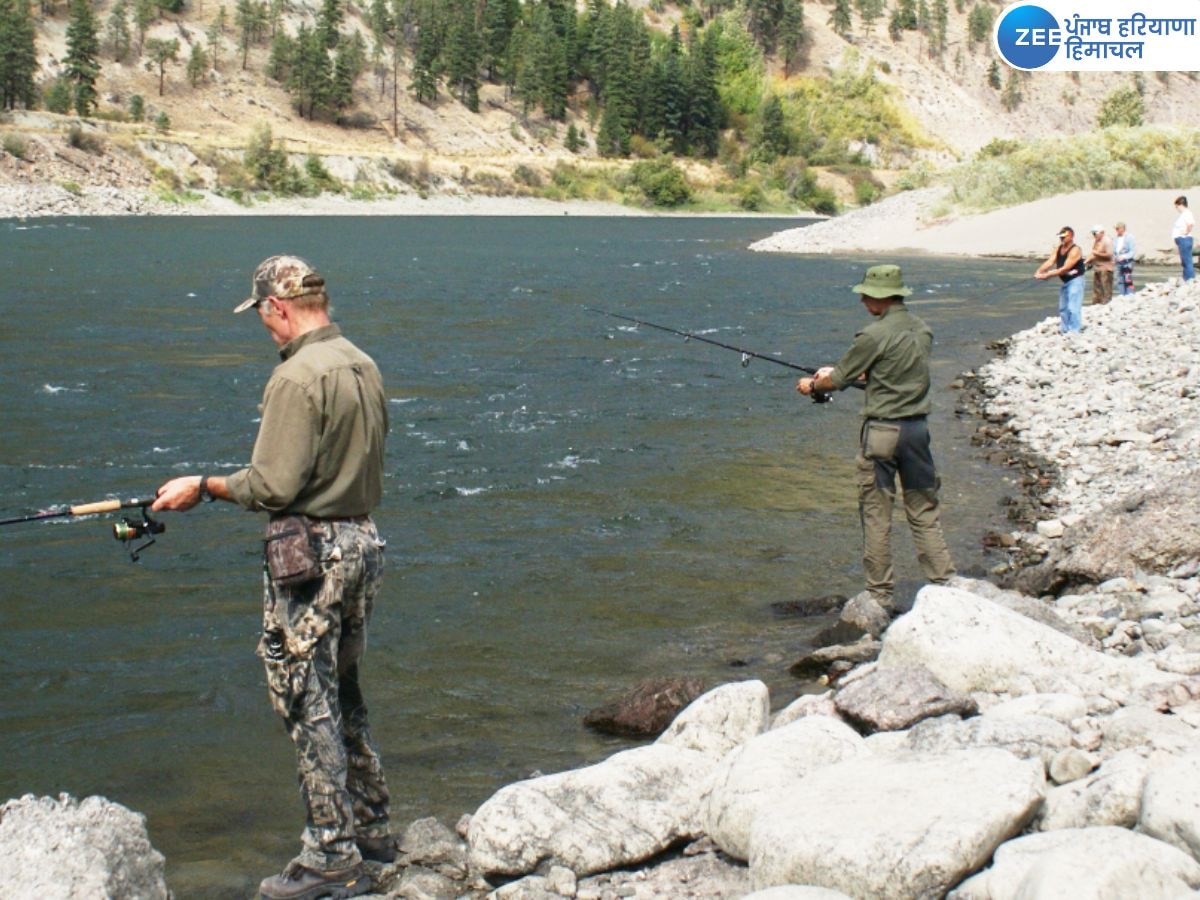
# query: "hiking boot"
{"type": "Point", "coordinates": [377, 849]}
{"type": "Point", "coordinates": [298, 882]}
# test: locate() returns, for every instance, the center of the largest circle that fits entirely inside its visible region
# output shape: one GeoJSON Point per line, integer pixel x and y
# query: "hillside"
{"type": "Point", "coordinates": [946, 107]}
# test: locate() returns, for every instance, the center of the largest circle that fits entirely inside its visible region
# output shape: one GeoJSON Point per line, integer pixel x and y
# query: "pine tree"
{"type": "Point", "coordinates": [425, 59]}
{"type": "Point", "coordinates": [573, 141]}
{"type": "Point", "coordinates": [551, 69]}
{"type": "Point", "coordinates": [309, 80]}
{"type": "Point", "coordinates": [499, 19]}
{"type": "Point", "coordinates": [120, 41]}
{"type": "Point", "coordinates": [773, 139]}
{"type": "Point", "coordinates": [792, 35]}
{"type": "Point", "coordinates": [941, 19]}
{"type": "Point", "coordinates": [250, 17]}
{"type": "Point", "coordinates": [215, 30]}
{"type": "Point", "coordinates": [197, 65]}
{"type": "Point", "coordinates": [839, 18]}
{"type": "Point", "coordinates": [144, 12]}
{"type": "Point", "coordinates": [329, 22]}
{"type": "Point", "coordinates": [161, 52]}
{"type": "Point", "coordinates": [82, 64]}
{"type": "Point", "coordinates": [463, 53]}
{"type": "Point", "coordinates": [762, 21]}
{"type": "Point", "coordinates": [282, 57]}
{"type": "Point", "coordinates": [868, 12]}
{"type": "Point", "coordinates": [704, 110]}
{"type": "Point", "coordinates": [18, 55]}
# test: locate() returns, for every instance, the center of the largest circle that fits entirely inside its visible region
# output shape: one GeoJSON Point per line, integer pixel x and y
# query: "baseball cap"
{"type": "Point", "coordinates": [1096, 229]}
{"type": "Point", "coordinates": [1065, 230]}
{"type": "Point", "coordinates": [881, 282]}
{"type": "Point", "coordinates": [284, 277]}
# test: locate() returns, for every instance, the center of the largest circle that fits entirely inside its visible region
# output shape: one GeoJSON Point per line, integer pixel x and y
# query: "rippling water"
{"type": "Point", "coordinates": [571, 504]}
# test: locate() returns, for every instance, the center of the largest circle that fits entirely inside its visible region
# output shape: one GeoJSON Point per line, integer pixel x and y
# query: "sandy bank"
{"type": "Point", "coordinates": [906, 223]}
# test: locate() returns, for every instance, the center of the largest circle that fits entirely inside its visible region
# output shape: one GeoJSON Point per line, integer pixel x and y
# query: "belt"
{"type": "Point", "coordinates": [915, 418]}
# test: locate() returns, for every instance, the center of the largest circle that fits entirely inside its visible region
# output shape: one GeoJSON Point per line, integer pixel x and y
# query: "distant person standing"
{"type": "Point", "coordinates": [1066, 261]}
{"type": "Point", "coordinates": [1123, 252]}
{"type": "Point", "coordinates": [1185, 224]}
{"type": "Point", "coordinates": [1101, 261]}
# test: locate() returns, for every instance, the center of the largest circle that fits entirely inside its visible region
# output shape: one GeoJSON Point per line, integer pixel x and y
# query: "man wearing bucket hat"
{"type": "Point", "coordinates": [317, 469]}
{"type": "Point", "coordinates": [1066, 261]}
{"type": "Point", "coordinates": [892, 354]}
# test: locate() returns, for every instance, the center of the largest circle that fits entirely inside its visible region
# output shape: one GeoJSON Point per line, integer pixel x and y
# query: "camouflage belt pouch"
{"type": "Point", "coordinates": [291, 553]}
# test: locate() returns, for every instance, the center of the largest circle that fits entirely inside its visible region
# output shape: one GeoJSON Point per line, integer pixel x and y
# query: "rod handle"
{"type": "Point", "coordinates": [101, 506]}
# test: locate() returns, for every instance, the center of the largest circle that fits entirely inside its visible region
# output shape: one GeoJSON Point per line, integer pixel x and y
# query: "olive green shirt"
{"type": "Point", "coordinates": [319, 449]}
{"type": "Point", "coordinates": [893, 351]}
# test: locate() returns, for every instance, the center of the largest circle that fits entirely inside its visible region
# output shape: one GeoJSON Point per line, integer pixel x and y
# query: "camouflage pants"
{"type": "Point", "coordinates": [892, 447]}
{"type": "Point", "coordinates": [314, 636]}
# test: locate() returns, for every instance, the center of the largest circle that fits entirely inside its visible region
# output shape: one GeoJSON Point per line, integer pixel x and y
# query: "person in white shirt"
{"type": "Point", "coordinates": [1182, 234]}
{"type": "Point", "coordinates": [1124, 251]}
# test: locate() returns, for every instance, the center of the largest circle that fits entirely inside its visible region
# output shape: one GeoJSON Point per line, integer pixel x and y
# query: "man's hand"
{"type": "Point", "coordinates": [178, 494]}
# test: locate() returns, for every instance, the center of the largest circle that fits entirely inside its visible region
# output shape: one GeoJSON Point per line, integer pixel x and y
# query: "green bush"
{"type": "Point", "coordinates": [1124, 106]}
{"type": "Point", "coordinates": [137, 107]}
{"type": "Point", "coordinates": [83, 140]}
{"type": "Point", "coordinates": [1146, 157]}
{"type": "Point", "coordinates": [59, 96]}
{"type": "Point", "coordinates": [319, 176]}
{"type": "Point", "coordinates": [14, 145]}
{"type": "Point", "coordinates": [660, 181]}
{"type": "Point", "coordinates": [162, 122]}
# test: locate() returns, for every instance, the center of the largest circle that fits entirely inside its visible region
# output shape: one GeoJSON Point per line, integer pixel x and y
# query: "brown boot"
{"type": "Point", "coordinates": [298, 882]}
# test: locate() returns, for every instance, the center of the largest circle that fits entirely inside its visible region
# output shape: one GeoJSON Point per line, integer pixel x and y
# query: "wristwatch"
{"type": "Point", "coordinates": [204, 494]}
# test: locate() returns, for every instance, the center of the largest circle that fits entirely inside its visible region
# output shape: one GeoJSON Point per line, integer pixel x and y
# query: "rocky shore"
{"type": "Point", "coordinates": [1038, 737]}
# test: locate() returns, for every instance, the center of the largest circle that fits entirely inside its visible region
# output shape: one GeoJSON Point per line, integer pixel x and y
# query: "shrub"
{"type": "Point", "coordinates": [523, 174]}
{"type": "Point", "coordinates": [14, 145]}
{"type": "Point", "coordinates": [137, 107]}
{"type": "Point", "coordinates": [1124, 106]}
{"type": "Point", "coordinates": [752, 198]}
{"type": "Point", "coordinates": [661, 181]}
{"type": "Point", "coordinates": [59, 97]}
{"type": "Point", "coordinates": [319, 176]}
{"type": "Point", "coordinates": [83, 140]}
{"type": "Point", "coordinates": [162, 122]}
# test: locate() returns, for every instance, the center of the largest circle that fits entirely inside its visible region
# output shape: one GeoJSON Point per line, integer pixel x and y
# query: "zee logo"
{"type": "Point", "coordinates": [1027, 37]}
{"type": "Point", "coordinates": [1038, 37]}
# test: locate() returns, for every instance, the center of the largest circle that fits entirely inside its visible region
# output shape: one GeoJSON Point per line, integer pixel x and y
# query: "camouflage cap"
{"type": "Point", "coordinates": [284, 277]}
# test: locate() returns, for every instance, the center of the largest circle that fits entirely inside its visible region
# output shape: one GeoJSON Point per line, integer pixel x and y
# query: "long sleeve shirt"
{"type": "Point", "coordinates": [893, 351]}
{"type": "Point", "coordinates": [319, 449]}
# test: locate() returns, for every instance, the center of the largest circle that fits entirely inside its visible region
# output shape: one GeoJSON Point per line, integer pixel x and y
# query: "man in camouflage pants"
{"type": "Point", "coordinates": [317, 469]}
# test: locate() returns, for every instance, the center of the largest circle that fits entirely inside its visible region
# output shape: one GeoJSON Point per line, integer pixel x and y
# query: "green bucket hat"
{"type": "Point", "coordinates": [881, 282]}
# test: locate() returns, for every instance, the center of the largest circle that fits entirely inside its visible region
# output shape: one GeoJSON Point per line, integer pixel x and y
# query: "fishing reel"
{"type": "Point", "coordinates": [128, 530]}
{"type": "Point", "coordinates": [821, 397]}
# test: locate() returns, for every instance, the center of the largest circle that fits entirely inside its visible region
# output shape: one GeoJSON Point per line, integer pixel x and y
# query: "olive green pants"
{"type": "Point", "coordinates": [891, 449]}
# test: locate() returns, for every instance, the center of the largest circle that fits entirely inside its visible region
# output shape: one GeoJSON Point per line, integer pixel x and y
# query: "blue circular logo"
{"type": "Point", "coordinates": [1028, 37]}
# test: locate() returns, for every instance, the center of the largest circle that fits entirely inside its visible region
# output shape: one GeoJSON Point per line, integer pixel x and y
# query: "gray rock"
{"type": "Point", "coordinates": [972, 644]}
{"type": "Point", "coordinates": [864, 614]}
{"type": "Point", "coordinates": [1029, 737]}
{"type": "Point", "coordinates": [894, 827]}
{"type": "Point", "coordinates": [1111, 795]}
{"type": "Point", "coordinates": [1064, 708]}
{"type": "Point", "coordinates": [1138, 726]}
{"type": "Point", "coordinates": [724, 718]}
{"type": "Point", "coordinates": [1089, 862]}
{"type": "Point", "coordinates": [1069, 765]}
{"type": "Point", "coordinates": [748, 779]}
{"type": "Point", "coordinates": [1171, 804]}
{"type": "Point", "coordinates": [797, 892]}
{"type": "Point", "coordinates": [427, 842]}
{"type": "Point", "coordinates": [836, 660]}
{"type": "Point", "coordinates": [806, 705]}
{"type": "Point", "coordinates": [647, 709]}
{"type": "Point", "coordinates": [420, 883]}
{"type": "Point", "coordinates": [621, 811]}
{"type": "Point", "coordinates": [895, 698]}
{"type": "Point", "coordinates": [68, 849]}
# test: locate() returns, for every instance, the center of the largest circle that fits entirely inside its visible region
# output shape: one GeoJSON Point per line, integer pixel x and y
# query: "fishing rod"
{"type": "Point", "coordinates": [126, 531]}
{"type": "Point", "coordinates": [747, 355]}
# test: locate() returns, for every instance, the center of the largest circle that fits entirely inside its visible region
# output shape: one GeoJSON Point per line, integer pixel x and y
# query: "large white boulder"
{"type": "Point", "coordinates": [972, 644]}
{"type": "Point", "coordinates": [1111, 795]}
{"type": "Point", "coordinates": [68, 849]}
{"type": "Point", "coordinates": [897, 827]}
{"type": "Point", "coordinates": [618, 812]}
{"type": "Point", "coordinates": [1084, 862]}
{"type": "Point", "coordinates": [724, 718]}
{"type": "Point", "coordinates": [1171, 804]}
{"type": "Point", "coordinates": [751, 776]}
{"type": "Point", "coordinates": [797, 892]}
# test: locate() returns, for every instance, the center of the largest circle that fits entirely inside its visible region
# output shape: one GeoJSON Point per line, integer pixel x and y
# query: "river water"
{"type": "Point", "coordinates": [571, 504]}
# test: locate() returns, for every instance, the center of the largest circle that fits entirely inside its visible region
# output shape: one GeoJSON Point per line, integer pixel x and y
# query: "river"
{"type": "Point", "coordinates": [571, 504]}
